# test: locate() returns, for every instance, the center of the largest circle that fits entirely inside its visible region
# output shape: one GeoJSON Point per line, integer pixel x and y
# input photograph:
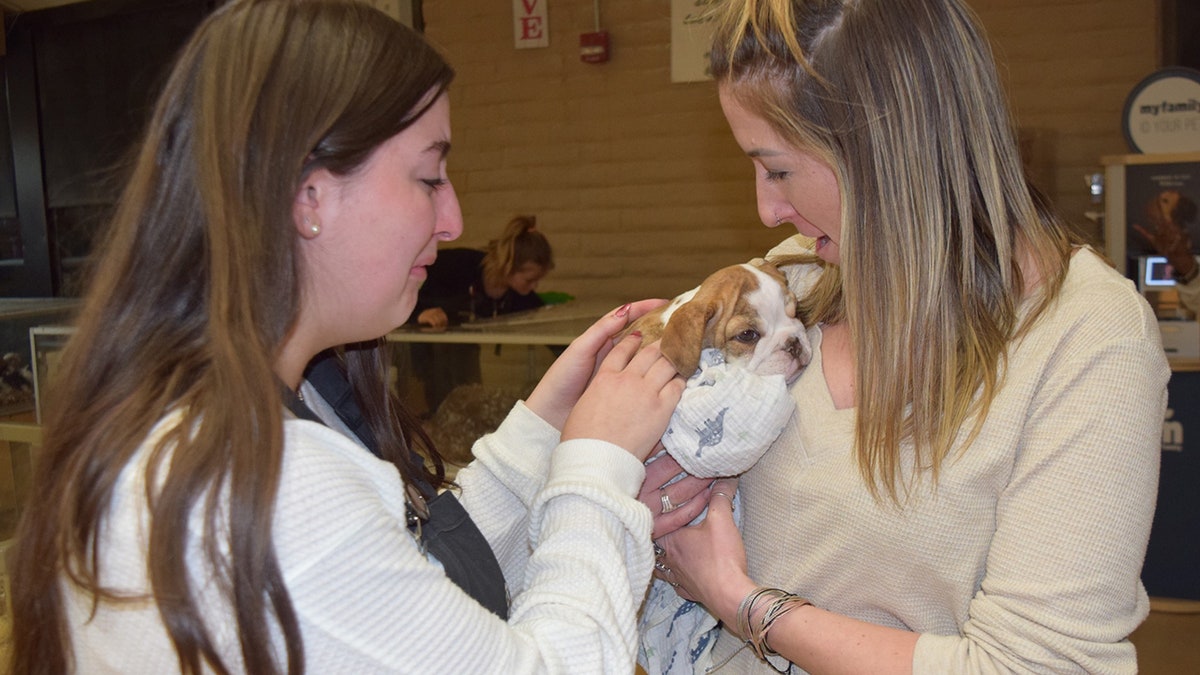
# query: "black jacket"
{"type": "Point", "coordinates": [455, 283]}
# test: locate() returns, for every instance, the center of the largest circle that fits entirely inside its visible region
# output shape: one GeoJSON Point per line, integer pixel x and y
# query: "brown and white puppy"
{"type": "Point", "coordinates": [746, 311]}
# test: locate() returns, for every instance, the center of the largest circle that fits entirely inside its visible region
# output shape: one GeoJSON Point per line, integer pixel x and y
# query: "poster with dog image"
{"type": "Point", "coordinates": [1158, 193]}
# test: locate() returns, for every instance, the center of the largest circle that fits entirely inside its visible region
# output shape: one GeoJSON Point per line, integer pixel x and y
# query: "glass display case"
{"type": "Point", "coordinates": [18, 401]}
{"type": "Point", "coordinates": [46, 344]}
{"type": "Point", "coordinates": [19, 435]}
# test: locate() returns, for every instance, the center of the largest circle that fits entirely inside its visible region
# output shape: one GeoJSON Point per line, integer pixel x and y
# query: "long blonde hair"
{"type": "Point", "coordinates": [195, 289]}
{"type": "Point", "coordinates": [902, 99]}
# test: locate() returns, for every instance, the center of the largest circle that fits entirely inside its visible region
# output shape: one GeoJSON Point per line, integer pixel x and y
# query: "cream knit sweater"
{"type": "Point", "coordinates": [572, 540]}
{"type": "Point", "coordinates": [1026, 556]}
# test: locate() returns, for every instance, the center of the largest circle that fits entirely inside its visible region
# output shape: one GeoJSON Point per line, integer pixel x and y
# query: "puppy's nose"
{"type": "Point", "coordinates": [795, 349]}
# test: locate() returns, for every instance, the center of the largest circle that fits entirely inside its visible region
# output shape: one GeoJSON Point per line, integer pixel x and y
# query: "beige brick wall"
{"type": "Point", "coordinates": [639, 184]}
{"type": "Point", "coordinates": [1069, 65]}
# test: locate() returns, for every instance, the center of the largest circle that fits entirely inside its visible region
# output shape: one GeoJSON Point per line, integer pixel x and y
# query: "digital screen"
{"type": "Point", "coordinates": [1157, 272]}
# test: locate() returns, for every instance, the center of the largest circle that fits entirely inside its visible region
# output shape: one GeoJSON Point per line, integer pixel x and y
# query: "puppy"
{"type": "Point", "coordinates": [746, 311]}
{"type": "Point", "coordinates": [733, 336]}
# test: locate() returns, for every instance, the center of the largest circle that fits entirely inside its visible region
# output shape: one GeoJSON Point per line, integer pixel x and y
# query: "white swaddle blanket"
{"type": "Point", "coordinates": [725, 421]}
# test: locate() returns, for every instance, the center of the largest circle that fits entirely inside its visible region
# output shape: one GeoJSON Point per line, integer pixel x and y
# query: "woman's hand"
{"type": "Point", "coordinates": [434, 317]}
{"type": "Point", "coordinates": [629, 400]}
{"type": "Point", "coordinates": [565, 380]}
{"type": "Point", "coordinates": [657, 495]}
{"type": "Point", "coordinates": [707, 562]}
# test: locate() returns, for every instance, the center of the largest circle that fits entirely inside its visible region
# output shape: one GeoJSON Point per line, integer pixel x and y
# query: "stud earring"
{"type": "Point", "coordinates": [314, 228]}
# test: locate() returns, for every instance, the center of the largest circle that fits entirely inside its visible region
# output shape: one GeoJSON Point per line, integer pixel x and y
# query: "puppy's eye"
{"type": "Point", "coordinates": [748, 336]}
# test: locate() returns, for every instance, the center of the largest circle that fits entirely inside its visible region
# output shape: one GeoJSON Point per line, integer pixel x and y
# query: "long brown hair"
{"type": "Point", "coordinates": [519, 244]}
{"type": "Point", "coordinates": [901, 98]}
{"type": "Point", "coordinates": [195, 288]}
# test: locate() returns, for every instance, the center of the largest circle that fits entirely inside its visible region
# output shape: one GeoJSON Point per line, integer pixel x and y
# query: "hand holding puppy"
{"type": "Point", "coordinates": [662, 478]}
{"type": "Point", "coordinates": [565, 380]}
{"type": "Point", "coordinates": [709, 556]}
{"type": "Point", "coordinates": [629, 400]}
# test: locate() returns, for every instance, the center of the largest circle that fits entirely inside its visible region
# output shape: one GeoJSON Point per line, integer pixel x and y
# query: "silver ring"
{"type": "Point", "coordinates": [662, 567]}
{"type": "Point", "coordinates": [658, 550]}
{"type": "Point", "coordinates": [726, 497]}
{"type": "Point", "coordinates": [667, 506]}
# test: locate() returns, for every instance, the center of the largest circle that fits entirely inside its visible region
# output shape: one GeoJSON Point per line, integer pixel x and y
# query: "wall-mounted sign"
{"type": "Point", "coordinates": [691, 39]}
{"type": "Point", "coordinates": [530, 27]}
{"type": "Point", "coordinates": [1162, 113]}
{"type": "Point", "coordinates": [401, 10]}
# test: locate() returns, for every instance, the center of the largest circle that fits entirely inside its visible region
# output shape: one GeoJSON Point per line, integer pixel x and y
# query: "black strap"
{"type": "Point", "coordinates": [448, 534]}
{"type": "Point", "coordinates": [452, 537]}
{"type": "Point", "coordinates": [327, 376]}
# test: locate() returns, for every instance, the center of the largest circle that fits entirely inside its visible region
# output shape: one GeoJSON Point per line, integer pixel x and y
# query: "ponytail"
{"type": "Point", "coordinates": [520, 244]}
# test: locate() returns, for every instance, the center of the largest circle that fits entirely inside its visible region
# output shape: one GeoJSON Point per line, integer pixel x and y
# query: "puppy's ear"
{"type": "Point", "coordinates": [683, 336]}
{"type": "Point", "coordinates": [699, 323]}
{"type": "Point", "coordinates": [650, 325]}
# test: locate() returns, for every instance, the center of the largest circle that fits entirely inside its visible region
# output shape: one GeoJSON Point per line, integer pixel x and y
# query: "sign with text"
{"type": "Point", "coordinates": [1162, 113]}
{"type": "Point", "coordinates": [530, 27]}
{"type": "Point", "coordinates": [691, 36]}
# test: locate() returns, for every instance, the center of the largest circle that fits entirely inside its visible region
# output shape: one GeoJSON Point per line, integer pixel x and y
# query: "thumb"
{"type": "Point", "coordinates": [721, 495]}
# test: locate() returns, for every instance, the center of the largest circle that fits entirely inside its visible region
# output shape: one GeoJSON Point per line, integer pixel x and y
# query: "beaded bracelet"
{"type": "Point", "coordinates": [755, 634]}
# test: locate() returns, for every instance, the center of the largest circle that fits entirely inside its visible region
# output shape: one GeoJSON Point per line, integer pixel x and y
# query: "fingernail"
{"type": "Point", "coordinates": [635, 333]}
{"type": "Point", "coordinates": [622, 310]}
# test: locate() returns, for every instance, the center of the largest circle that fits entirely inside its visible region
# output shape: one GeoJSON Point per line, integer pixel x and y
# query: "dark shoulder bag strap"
{"type": "Point", "coordinates": [448, 533]}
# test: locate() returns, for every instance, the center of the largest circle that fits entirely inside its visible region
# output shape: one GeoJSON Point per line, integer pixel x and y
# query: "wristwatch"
{"type": "Point", "coordinates": [1185, 279]}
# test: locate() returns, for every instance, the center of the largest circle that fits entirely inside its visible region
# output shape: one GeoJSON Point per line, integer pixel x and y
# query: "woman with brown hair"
{"type": "Point", "coordinates": [226, 483]}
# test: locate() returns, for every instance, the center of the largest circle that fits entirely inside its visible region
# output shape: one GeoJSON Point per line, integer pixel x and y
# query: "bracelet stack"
{"type": "Point", "coordinates": [775, 603]}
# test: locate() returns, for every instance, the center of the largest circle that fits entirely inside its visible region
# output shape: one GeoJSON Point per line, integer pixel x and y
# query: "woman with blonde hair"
{"type": "Point", "coordinates": [969, 480]}
{"type": "Point", "coordinates": [227, 484]}
{"type": "Point", "coordinates": [467, 284]}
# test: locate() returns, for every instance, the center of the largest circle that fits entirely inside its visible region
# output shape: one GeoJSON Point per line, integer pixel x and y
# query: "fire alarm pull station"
{"type": "Point", "coordinates": [593, 47]}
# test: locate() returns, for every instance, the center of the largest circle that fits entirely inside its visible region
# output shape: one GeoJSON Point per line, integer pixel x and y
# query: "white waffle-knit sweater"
{"type": "Point", "coordinates": [1027, 556]}
{"type": "Point", "coordinates": [369, 602]}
